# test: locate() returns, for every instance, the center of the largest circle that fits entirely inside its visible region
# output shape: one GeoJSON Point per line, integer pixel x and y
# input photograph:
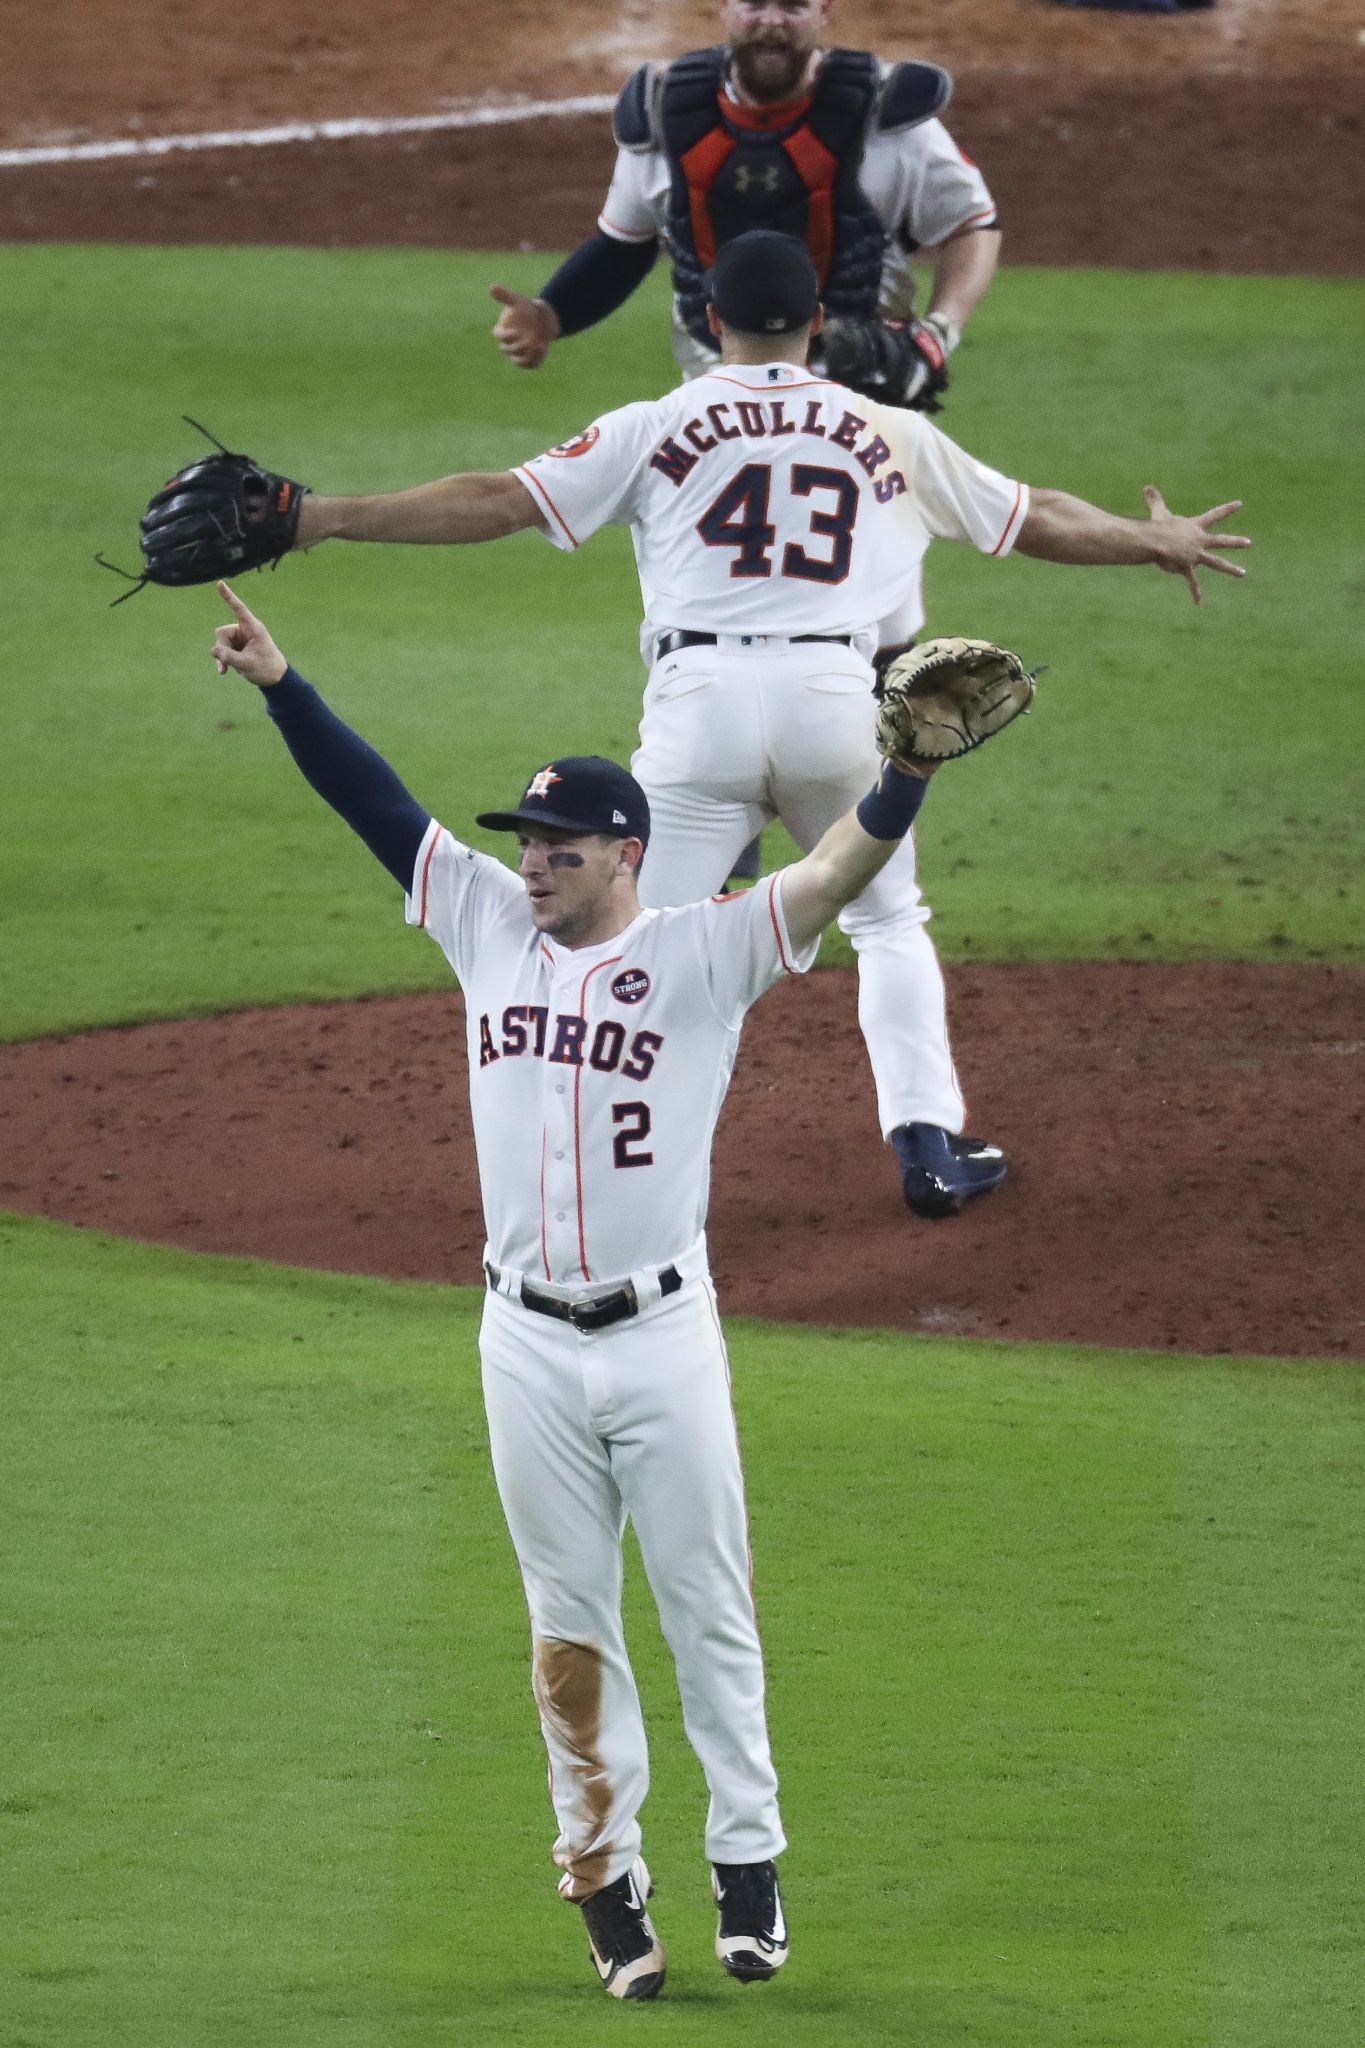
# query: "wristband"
{"type": "Point", "coordinates": [946, 328]}
{"type": "Point", "coordinates": [891, 806]}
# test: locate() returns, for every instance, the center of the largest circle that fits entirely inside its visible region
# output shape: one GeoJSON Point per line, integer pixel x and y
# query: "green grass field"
{"type": "Point", "coordinates": [1064, 1652]}
{"type": "Point", "coordinates": [1145, 810]}
{"type": "Point", "coordinates": [1064, 1645]}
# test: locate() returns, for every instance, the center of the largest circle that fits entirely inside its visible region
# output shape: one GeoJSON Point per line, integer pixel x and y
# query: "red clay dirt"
{"type": "Point", "coordinates": [1226, 139]}
{"type": "Point", "coordinates": [1186, 1138]}
{"type": "Point", "coordinates": [1186, 1143]}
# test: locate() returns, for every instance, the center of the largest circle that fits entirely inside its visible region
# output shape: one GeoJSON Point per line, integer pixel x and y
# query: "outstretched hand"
{"type": "Point", "coordinates": [246, 645]}
{"type": "Point", "coordinates": [1181, 546]}
{"type": "Point", "coordinates": [525, 328]}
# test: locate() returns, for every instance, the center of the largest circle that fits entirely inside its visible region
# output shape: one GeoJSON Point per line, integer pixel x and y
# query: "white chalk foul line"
{"type": "Point", "coordinates": [308, 131]}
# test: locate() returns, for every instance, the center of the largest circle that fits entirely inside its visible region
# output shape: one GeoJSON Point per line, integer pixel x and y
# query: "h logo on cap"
{"type": "Point", "coordinates": [540, 783]}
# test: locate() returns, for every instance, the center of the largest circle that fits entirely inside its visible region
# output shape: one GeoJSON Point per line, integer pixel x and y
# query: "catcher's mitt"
{"type": "Point", "coordinates": [944, 697]}
{"type": "Point", "coordinates": [898, 362]}
{"type": "Point", "coordinates": [216, 517]}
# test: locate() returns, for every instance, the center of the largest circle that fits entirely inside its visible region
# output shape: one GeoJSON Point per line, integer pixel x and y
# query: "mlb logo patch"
{"type": "Point", "coordinates": [632, 986]}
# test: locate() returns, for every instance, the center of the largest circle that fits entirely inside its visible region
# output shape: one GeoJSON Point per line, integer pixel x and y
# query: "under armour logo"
{"type": "Point", "coordinates": [540, 783]}
{"type": "Point", "coordinates": [767, 180]}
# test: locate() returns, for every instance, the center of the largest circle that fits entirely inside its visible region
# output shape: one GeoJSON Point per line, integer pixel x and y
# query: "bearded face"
{"type": "Point", "coordinates": [771, 43]}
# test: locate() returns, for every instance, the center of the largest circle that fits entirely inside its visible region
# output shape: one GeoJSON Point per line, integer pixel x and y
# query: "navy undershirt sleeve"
{"type": "Point", "coordinates": [348, 774]}
{"type": "Point", "coordinates": [598, 277]}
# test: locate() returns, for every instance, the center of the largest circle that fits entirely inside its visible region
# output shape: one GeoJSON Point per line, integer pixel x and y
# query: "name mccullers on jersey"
{"type": "Point", "coordinates": [760, 419]}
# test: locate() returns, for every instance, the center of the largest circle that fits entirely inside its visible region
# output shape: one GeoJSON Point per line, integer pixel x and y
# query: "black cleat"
{"type": "Point", "coordinates": [941, 1173]}
{"type": "Point", "coordinates": [751, 1933]}
{"type": "Point", "coordinates": [626, 1952]}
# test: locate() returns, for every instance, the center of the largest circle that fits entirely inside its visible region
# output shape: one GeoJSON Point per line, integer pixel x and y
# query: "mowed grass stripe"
{"type": "Point", "coordinates": [161, 856]}
{"type": "Point", "coordinates": [1063, 1646]}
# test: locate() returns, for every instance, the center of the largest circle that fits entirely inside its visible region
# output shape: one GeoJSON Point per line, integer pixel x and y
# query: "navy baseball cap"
{"type": "Point", "coordinates": [580, 793]}
{"type": "Point", "coordinates": [765, 283]}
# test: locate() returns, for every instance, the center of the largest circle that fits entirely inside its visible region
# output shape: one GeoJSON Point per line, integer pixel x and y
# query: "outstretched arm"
{"type": "Point", "coordinates": [449, 512]}
{"type": "Point", "coordinates": [935, 704]}
{"type": "Point", "coordinates": [599, 276]}
{"type": "Point", "coordinates": [1060, 528]}
{"type": "Point", "coordinates": [343, 768]}
{"type": "Point", "coordinates": [855, 848]}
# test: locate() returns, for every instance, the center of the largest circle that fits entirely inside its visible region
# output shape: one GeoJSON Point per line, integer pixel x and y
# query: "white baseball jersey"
{"type": "Point", "coordinates": [596, 1077]}
{"type": "Point", "coordinates": [762, 498]}
{"type": "Point", "coordinates": [597, 1073]}
{"type": "Point", "coordinates": [922, 187]}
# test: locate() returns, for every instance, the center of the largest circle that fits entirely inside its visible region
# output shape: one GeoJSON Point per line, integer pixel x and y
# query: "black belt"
{"type": "Point", "coordinates": [587, 1315]}
{"type": "Point", "coordinates": [669, 643]}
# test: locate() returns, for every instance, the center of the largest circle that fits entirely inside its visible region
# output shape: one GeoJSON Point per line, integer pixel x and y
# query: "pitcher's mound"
{"type": "Point", "coordinates": [1186, 1145]}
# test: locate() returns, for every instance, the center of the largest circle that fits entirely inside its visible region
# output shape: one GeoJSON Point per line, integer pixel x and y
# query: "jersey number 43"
{"type": "Point", "coordinates": [739, 519]}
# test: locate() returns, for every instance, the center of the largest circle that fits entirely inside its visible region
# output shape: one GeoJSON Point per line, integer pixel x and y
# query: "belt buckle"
{"type": "Point", "coordinates": [616, 1307]}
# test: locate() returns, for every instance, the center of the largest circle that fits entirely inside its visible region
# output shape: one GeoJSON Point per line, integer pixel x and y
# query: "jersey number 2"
{"type": "Point", "coordinates": [739, 519]}
{"type": "Point", "coordinates": [634, 1121]}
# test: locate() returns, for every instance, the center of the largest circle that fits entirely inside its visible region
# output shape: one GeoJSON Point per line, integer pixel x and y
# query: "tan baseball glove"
{"type": "Point", "coordinates": [944, 697]}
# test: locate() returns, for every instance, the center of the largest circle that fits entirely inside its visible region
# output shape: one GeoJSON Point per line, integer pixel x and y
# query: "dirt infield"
{"type": "Point", "coordinates": [1185, 1138]}
{"type": "Point", "coordinates": [1228, 139]}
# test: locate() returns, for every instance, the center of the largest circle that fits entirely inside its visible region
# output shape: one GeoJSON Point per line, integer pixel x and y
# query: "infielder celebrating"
{"type": "Point", "coordinates": [601, 1038]}
{"type": "Point", "coordinates": [774, 516]}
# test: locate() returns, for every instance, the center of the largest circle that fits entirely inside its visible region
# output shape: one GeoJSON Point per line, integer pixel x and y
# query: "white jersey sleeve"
{"type": "Point", "coordinates": [590, 481]}
{"type": "Point", "coordinates": [746, 947]}
{"type": "Point", "coordinates": [459, 896]}
{"type": "Point", "coordinates": [629, 213]}
{"type": "Point", "coordinates": [957, 497]}
{"type": "Point", "coordinates": [942, 192]}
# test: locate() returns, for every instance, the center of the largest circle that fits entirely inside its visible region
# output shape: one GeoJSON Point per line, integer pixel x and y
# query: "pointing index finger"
{"type": "Point", "coordinates": [229, 596]}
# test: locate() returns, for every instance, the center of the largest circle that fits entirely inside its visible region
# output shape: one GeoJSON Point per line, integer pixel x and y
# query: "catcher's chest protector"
{"type": "Point", "coordinates": [735, 168]}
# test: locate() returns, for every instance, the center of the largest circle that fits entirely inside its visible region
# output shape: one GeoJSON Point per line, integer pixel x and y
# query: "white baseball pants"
{"type": "Point", "coordinates": [735, 735]}
{"type": "Point", "coordinates": [587, 1429]}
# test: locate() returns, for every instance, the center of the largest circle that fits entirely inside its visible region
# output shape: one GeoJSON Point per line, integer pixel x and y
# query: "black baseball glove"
{"type": "Point", "coordinates": [898, 362]}
{"type": "Point", "coordinates": [216, 517]}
